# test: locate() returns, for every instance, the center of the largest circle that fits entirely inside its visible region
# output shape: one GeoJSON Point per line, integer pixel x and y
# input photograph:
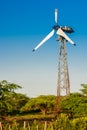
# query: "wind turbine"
{"type": "Point", "coordinates": [59, 31]}
{"type": "Point", "coordinates": [63, 75]}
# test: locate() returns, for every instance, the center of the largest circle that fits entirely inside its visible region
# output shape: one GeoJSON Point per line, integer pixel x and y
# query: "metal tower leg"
{"type": "Point", "coordinates": [63, 75]}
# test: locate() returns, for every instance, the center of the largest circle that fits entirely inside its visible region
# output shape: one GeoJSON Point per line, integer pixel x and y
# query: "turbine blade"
{"type": "Point", "coordinates": [44, 40]}
{"type": "Point", "coordinates": [61, 33]}
{"type": "Point", "coordinates": [56, 15]}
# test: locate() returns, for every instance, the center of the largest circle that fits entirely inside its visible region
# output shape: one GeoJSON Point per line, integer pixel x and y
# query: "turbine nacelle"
{"type": "Point", "coordinates": [67, 29]}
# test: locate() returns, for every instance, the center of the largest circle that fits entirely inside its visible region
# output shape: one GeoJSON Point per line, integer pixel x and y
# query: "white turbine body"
{"type": "Point", "coordinates": [59, 32]}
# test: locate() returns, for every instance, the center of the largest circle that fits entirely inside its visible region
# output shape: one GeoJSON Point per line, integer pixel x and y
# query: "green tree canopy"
{"type": "Point", "coordinates": [7, 92]}
{"type": "Point", "coordinates": [84, 89]}
{"type": "Point", "coordinates": [43, 103]}
{"type": "Point", "coordinates": [7, 88]}
{"type": "Point", "coordinates": [76, 104]}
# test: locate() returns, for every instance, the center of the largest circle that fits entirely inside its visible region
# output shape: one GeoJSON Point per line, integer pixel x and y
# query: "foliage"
{"type": "Point", "coordinates": [64, 123]}
{"type": "Point", "coordinates": [12, 103]}
{"type": "Point", "coordinates": [18, 101]}
{"type": "Point", "coordinates": [43, 103]}
{"type": "Point", "coordinates": [61, 123]}
{"type": "Point", "coordinates": [84, 89]}
{"type": "Point", "coordinates": [79, 123]}
{"type": "Point", "coordinates": [76, 104]}
{"type": "Point", "coordinates": [6, 87]}
{"type": "Point", "coordinates": [9, 100]}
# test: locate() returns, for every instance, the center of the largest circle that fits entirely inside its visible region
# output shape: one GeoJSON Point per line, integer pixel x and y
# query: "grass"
{"type": "Point", "coordinates": [29, 117]}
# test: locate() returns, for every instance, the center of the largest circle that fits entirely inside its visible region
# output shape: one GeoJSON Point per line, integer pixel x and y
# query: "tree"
{"type": "Point", "coordinates": [46, 103]}
{"type": "Point", "coordinates": [18, 101]}
{"type": "Point", "coordinates": [76, 104]}
{"type": "Point", "coordinates": [42, 103]}
{"type": "Point", "coordinates": [84, 89]}
{"type": "Point", "coordinates": [7, 88]}
{"type": "Point", "coordinates": [6, 95]}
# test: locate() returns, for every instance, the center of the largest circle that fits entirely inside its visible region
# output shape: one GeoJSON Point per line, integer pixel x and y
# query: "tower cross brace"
{"type": "Point", "coordinates": [63, 82]}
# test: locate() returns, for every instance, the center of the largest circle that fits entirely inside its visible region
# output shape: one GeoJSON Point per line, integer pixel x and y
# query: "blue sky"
{"type": "Point", "coordinates": [23, 24]}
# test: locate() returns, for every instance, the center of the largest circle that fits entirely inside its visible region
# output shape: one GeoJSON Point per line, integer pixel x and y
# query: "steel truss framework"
{"type": "Point", "coordinates": [63, 83]}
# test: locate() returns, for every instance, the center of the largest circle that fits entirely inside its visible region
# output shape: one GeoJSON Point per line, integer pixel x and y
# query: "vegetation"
{"type": "Point", "coordinates": [43, 103]}
{"type": "Point", "coordinates": [10, 101]}
{"type": "Point", "coordinates": [61, 123]}
{"type": "Point", "coordinates": [75, 104]}
{"type": "Point", "coordinates": [15, 107]}
{"type": "Point", "coordinates": [64, 123]}
{"type": "Point", "coordinates": [84, 89]}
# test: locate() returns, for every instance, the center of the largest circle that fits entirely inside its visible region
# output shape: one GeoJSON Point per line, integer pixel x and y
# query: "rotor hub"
{"type": "Point", "coordinates": [56, 27]}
